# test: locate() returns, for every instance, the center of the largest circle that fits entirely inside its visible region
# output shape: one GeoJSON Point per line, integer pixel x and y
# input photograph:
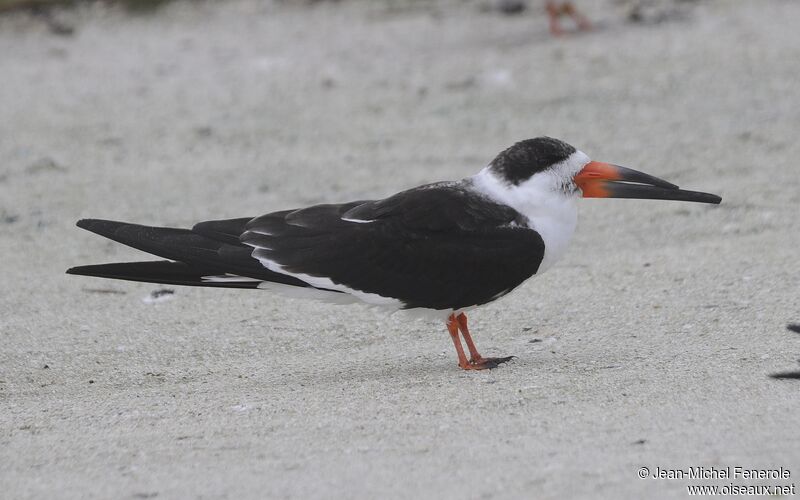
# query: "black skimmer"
{"type": "Point", "coordinates": [441, 248]}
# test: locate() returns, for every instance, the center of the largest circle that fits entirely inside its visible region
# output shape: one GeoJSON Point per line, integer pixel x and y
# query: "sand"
{"type": "Point", "coordinates": [649, 345]}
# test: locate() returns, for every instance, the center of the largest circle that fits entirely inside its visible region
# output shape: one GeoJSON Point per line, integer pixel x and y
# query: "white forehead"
{"type": "Point", "coordinates": [569, 167]}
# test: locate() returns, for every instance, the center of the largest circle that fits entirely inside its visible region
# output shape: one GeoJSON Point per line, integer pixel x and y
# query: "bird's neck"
{"type": "Point", "coordinates": [548, 210]}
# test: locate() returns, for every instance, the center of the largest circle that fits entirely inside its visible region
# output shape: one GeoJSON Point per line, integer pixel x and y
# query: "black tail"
{"type": "Point", "coordinates": [210, 254]}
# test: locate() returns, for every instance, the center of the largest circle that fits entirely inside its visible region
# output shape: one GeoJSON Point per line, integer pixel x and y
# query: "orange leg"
{"type": "Point", "coordinates": [452, 327]}
{"type": "Point", "coordinates": [476, 362]}
{"type": "Point", "coordinates": [474, 355]}
{"type": "Point", "coordinates": [554, 12]}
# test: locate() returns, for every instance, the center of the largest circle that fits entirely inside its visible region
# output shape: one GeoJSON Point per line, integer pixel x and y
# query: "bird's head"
{"type": "Point", "coordinates": [544, 166]}
{"type": "Point", "coordinates": [543, 178]}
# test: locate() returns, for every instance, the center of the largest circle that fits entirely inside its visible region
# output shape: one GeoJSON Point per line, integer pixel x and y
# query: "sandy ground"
{"type": "Point", "coordinates": [650, 344]}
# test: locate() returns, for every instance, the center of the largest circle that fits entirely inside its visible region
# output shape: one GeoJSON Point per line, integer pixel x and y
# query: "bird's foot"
{"type": "Point", "coordinates": [485, 363]}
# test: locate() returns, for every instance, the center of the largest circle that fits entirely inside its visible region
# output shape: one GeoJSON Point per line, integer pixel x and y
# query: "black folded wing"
{"type": "Point", "coordinates": [441, 246]}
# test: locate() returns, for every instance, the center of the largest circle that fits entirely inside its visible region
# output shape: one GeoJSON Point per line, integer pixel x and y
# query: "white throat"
{"type": "Point", "coordinates": [546, 200]}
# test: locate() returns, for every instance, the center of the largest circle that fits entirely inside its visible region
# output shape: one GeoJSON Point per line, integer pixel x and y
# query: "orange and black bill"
{"type": "Point", "coordinates": [604, 180]}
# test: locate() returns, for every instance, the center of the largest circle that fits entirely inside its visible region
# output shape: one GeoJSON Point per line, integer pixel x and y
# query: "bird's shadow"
{"type": "Point", "coordinates": [792, 327]}
{"type": "Point", "coordinates": [418, 370]}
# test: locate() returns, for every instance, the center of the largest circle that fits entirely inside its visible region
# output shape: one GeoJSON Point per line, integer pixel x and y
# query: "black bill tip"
{"type": "Point", "coordinates": [643, 191]}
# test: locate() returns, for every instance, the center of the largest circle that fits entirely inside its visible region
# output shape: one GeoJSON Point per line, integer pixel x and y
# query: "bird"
{"type": "Point", "coordinates": [440, 249]}
{"type": "Point", "coordinates": [558, 9]}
